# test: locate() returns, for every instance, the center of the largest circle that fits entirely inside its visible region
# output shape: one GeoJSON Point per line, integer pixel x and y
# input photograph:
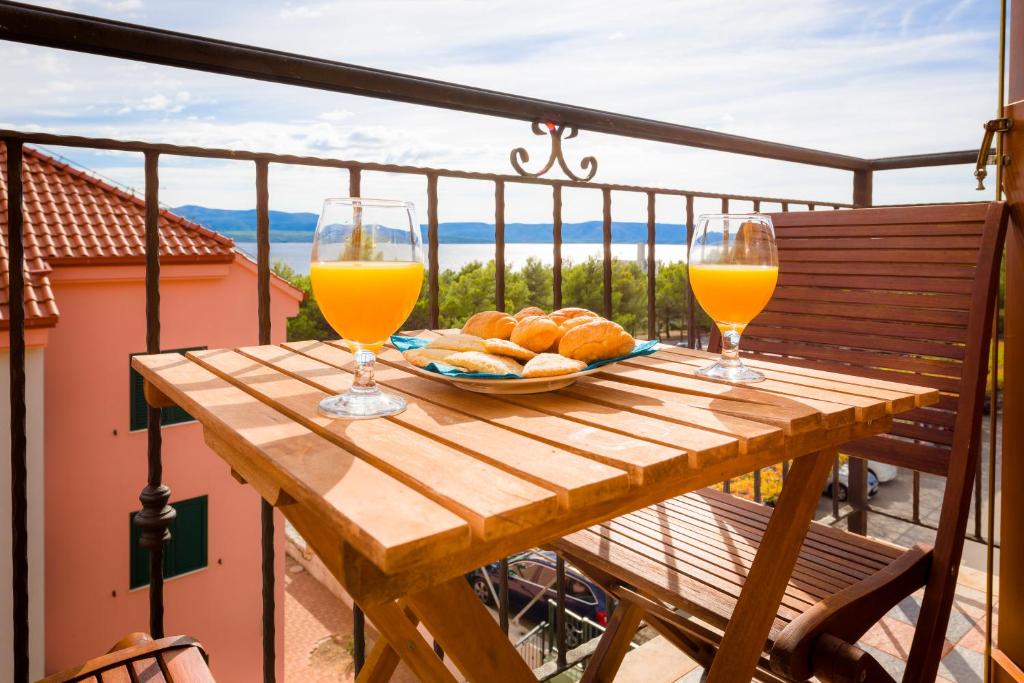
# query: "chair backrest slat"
{"type": "Point", "coordinates": [885, 293]}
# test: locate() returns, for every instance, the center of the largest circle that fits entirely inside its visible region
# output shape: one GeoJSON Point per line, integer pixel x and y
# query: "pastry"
{"type": "Point", "coordinates": [490, 325]}
{"type": "Point", "coordinates": [504, 347]}
{"type": "Point", "coordinates": [457, 342]}
{"type": "Point", "coordinates": [552, 365]}
{"type": "Point", "coordinates": [596, 340]}
{"type": "Point", "coordinates": [535, 332]}
{"type": "Point", "coordinates": [423, 357]}
{"type": "Point", "coordinates": [568, 325]}
{"type": "Point", "coordinates": [475, 361]}
{"type": "Point", "coordinates": [563, 314]}
{"type": "Point", "coordinates": [529, 310]}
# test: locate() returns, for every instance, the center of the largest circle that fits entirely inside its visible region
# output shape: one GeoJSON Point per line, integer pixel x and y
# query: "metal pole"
{"type": "Point", "coordinates": [19, 439]}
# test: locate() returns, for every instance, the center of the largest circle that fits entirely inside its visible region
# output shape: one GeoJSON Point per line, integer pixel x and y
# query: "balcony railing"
{"type": "Point", "coordinates": [52, 28]}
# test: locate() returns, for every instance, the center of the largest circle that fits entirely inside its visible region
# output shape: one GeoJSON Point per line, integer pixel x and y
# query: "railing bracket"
{"type": "Point", "coordinates": [992, 127]}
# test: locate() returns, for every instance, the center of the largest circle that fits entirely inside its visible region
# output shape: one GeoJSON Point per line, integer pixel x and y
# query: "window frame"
{"type": "Point", "coordinates": [173, 415]}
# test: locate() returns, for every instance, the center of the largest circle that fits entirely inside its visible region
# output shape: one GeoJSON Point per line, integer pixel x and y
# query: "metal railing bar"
{"type": "Point", "coordinates": [966, 156]}
{"type": "Point", "coordinates": [725, 205]}
{"type": "Point", "coordinates": [757, 486]}
{"type": "Point", "coordinates": [652, 265]}
{"type": "Point", "coordinates": [266, 509]}
{"type": "Point", "coordinates": [503, 594]}
{"type": "Point", "coordinates": [19, 436]}
{"type": "Point", "coordinates": [298, 160]}
{"type": "Point", "coordinates": [606, 238]}
{"type": "Point", "coordinates": [82, 33]}
{"type": "Point", "coordinates": [560, 623]}
{"type": "Point", "coordinates": [692, 333]}
{"type": "Point", "coordinates": [433, 265]}
{"type": "Point", "coordinates": [556, 240]}
{"type": "Point", "coordinates": [916, 497]}
{"type": "Point", "coordinates": [499, 245]}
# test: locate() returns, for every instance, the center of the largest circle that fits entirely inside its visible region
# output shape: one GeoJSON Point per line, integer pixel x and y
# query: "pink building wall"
{"type": "Point", "coordinates": [95, 468]}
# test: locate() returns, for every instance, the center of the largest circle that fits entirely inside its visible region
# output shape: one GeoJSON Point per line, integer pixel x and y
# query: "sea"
{"type": "Point", "coordinates": [455, 256]}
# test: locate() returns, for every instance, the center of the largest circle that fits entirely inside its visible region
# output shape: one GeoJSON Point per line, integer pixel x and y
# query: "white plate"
{"type": "Point", "coordinates": [526, 385]}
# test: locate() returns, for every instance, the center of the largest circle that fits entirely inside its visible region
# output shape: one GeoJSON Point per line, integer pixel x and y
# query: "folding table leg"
{"type": "Point", "coordinates": [614, 644]}
{"type": "Point", "coordinates": [399, 638]}
{"type": "Point", "coordinates": [468, 633]}
{"type": "Point", "coordinates": [748, 630]}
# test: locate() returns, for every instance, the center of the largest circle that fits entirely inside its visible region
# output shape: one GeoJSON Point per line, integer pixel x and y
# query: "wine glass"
{"type": "Point", "coordinates": [733, 267]}
{"type": "Point", "coordinates": [366, 269]}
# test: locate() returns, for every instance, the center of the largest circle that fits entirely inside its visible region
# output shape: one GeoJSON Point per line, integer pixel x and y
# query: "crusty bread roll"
{"type": "Point", "coordinates": [535, 332]}
{"type": "Point", "coordinates": [568, 325]}
{"type": "Point", "coordinates": [563, 314]}
{"type": "Point", "coordinates": [528, 311]}
{"type": "Point", "coordinates": [490, 325]}
{"type": "Point", "coordinates": [596, 340]}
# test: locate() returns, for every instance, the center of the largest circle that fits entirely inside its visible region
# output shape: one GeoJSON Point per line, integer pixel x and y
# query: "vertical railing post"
{"type": "Point", "coordinates": [560, 624]}
{"type": "Point", "coordinates": [156, 515]}
{"type": "Point", "coordinates": [503, 594]}
{"type": "Point", "coordinates": [355, 189]}
{"type": "Point", "coordinates": [433, 267]}
{"type": "Point", "coordinates": [692, 333]}
{"type": "Point", "coordinates": [606, 203]}
{"type": "Point", "coordinates": [862, 187]}
{"type": "Point", "coordinates": [19, 437]}
{"type": "Point", "coordinates": [499, 245]}
{"type": "Point", "coordinates": [757, 486]}
{"type": "Point", "coordinates": [556, 238]}
{"type": "Point", "coordinates": [652, 264]}
{"type": "Point", "coordinates": [266, 509]}
{"type": "Point", "coordinates": [857, 495]}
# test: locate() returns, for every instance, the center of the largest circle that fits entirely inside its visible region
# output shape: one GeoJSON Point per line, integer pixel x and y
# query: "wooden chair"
{"type": "Point", "coordinates": [903, 294]}
{"type": "Point", "coordinates": [137, 658]}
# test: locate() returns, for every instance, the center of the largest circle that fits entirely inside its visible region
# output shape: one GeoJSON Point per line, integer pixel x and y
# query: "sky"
{"type": "Point", "coordinates": [868, 78]}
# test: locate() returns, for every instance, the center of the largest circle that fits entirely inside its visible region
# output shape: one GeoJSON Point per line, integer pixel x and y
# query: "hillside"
{"type": "Point", "coordinates": [240, 225]}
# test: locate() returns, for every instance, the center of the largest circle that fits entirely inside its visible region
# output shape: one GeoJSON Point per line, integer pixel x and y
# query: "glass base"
{"type": "Point", "coordinates": [732, 372]}
{"type": "Point", "coordinates": [357, 404]}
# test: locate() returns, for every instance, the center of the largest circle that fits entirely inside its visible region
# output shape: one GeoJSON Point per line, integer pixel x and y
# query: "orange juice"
{"type": "Point", "coordinates": [366, 301]}
{"type": "Point", "coordinates": [733, 294]}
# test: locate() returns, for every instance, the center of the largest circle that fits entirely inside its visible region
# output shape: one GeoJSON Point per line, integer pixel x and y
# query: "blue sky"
{"type": "Point", "coordinates": [868, 77]}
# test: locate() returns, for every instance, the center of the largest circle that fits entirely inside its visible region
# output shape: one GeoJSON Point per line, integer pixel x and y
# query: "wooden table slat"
{"type": "Point", "coordinates": [492, 501]}
{"type": "Point", "coordinates": [577, 480]}
{"type": "Point", "coordinates": [344, 489]}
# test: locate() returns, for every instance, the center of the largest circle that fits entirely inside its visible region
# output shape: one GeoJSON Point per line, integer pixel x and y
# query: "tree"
{"type": "Point", "coordinates": [671, 295]}
{"type": "Point", "coordinates": [310, 322]}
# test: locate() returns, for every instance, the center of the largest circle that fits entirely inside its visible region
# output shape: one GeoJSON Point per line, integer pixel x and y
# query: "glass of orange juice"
{"type": "Point", "coordinates": [366, 269]}
{"type": "Point", "coordinates": [733, 265]}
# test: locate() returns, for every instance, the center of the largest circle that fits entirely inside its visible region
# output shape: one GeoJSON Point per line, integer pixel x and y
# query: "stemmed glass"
{"type": "Point", "coordinates": [733, 267]}
{"type": "Point", "coordinates": [366, 269]}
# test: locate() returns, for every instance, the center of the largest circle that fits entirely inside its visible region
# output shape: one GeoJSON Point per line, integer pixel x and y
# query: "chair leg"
{"type": "Point", "coordinates": [614, 644]}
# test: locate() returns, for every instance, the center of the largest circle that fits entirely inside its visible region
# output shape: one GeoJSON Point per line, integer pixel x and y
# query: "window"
{"type": "Point", "coordinates": [186, 551]}
{"type": "Point", "coordinates": [139, 409]}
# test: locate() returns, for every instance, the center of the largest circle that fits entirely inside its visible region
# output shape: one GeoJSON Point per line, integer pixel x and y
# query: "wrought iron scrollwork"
{"type": "Point", "coordinates": [520, 156]}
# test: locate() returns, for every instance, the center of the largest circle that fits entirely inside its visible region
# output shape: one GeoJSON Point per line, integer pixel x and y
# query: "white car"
{"type": "Point", "coordinates": [878, 473]}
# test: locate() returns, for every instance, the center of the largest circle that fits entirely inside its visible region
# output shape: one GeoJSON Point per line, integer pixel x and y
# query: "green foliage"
{"type": "Point", "coordinates": [471, 289]}
{"type": "Point", "coordinates": [310, 322]}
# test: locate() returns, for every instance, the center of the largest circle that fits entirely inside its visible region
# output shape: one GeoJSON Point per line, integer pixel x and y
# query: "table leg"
{"type": "Point", "coordinates": [747, 632]}
{"type": "Point", "coordinates": [399, 635]}
{"type": "Point", "coordinates": [468, 633]}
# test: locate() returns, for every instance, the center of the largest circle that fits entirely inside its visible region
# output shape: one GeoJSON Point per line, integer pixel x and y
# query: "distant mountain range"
{"type": "Point", "coordinates": [240, 225]}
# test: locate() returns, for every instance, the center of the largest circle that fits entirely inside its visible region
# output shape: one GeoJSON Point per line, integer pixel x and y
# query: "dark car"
{"type": "Point", "coordinates": [533, 573]}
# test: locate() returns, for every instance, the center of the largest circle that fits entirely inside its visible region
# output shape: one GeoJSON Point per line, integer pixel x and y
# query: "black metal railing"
{"type": "Point", "coordinates": [53, 28]}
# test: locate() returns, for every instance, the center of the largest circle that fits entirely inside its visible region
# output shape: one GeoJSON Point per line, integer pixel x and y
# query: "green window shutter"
{"type": "Point", "coordinates": [139, 409]}
{"type": "Point", "coordinates": [187, 549]}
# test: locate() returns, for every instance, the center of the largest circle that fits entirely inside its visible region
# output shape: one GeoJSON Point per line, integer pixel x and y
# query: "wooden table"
{"type": "Point", "coordinates": [399, 509]}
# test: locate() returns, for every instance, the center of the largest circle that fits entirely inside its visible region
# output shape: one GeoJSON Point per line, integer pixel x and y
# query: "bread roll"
{"type": "Point", "coordinates": [552, 365]}
{"type": "Point", "coordinates": [568, 325]}
{"type": "Point", "coordinates": [490, 325]}
{"type": "Point", "coordinates": [535, 332]}
{"type": "Point", "coordinates": [563, 314]}
{"type": "Point", "coordinates": [528, 311]}
{"type": "Point", "coordinates": [596, 340]}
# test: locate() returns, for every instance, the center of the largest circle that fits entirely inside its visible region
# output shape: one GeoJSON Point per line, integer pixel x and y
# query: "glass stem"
{"type": "Point", "coordinates": [363, 382]}
{"type": "Point", "coordinates": [730, 347]}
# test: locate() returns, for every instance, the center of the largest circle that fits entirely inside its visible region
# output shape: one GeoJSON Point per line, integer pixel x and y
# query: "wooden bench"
{"type": "Point", "coordinates": [894, 295]}
{"type": "Point", "coordinates": [137, 658]}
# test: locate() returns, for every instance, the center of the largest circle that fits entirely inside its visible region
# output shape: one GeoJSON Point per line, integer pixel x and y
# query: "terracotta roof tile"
{"type": "Point", "coordinates": [73, 218]}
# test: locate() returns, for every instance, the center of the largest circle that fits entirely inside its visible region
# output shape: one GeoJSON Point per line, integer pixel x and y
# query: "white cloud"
{"type": "Point", "coordinates": [862, 78]}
